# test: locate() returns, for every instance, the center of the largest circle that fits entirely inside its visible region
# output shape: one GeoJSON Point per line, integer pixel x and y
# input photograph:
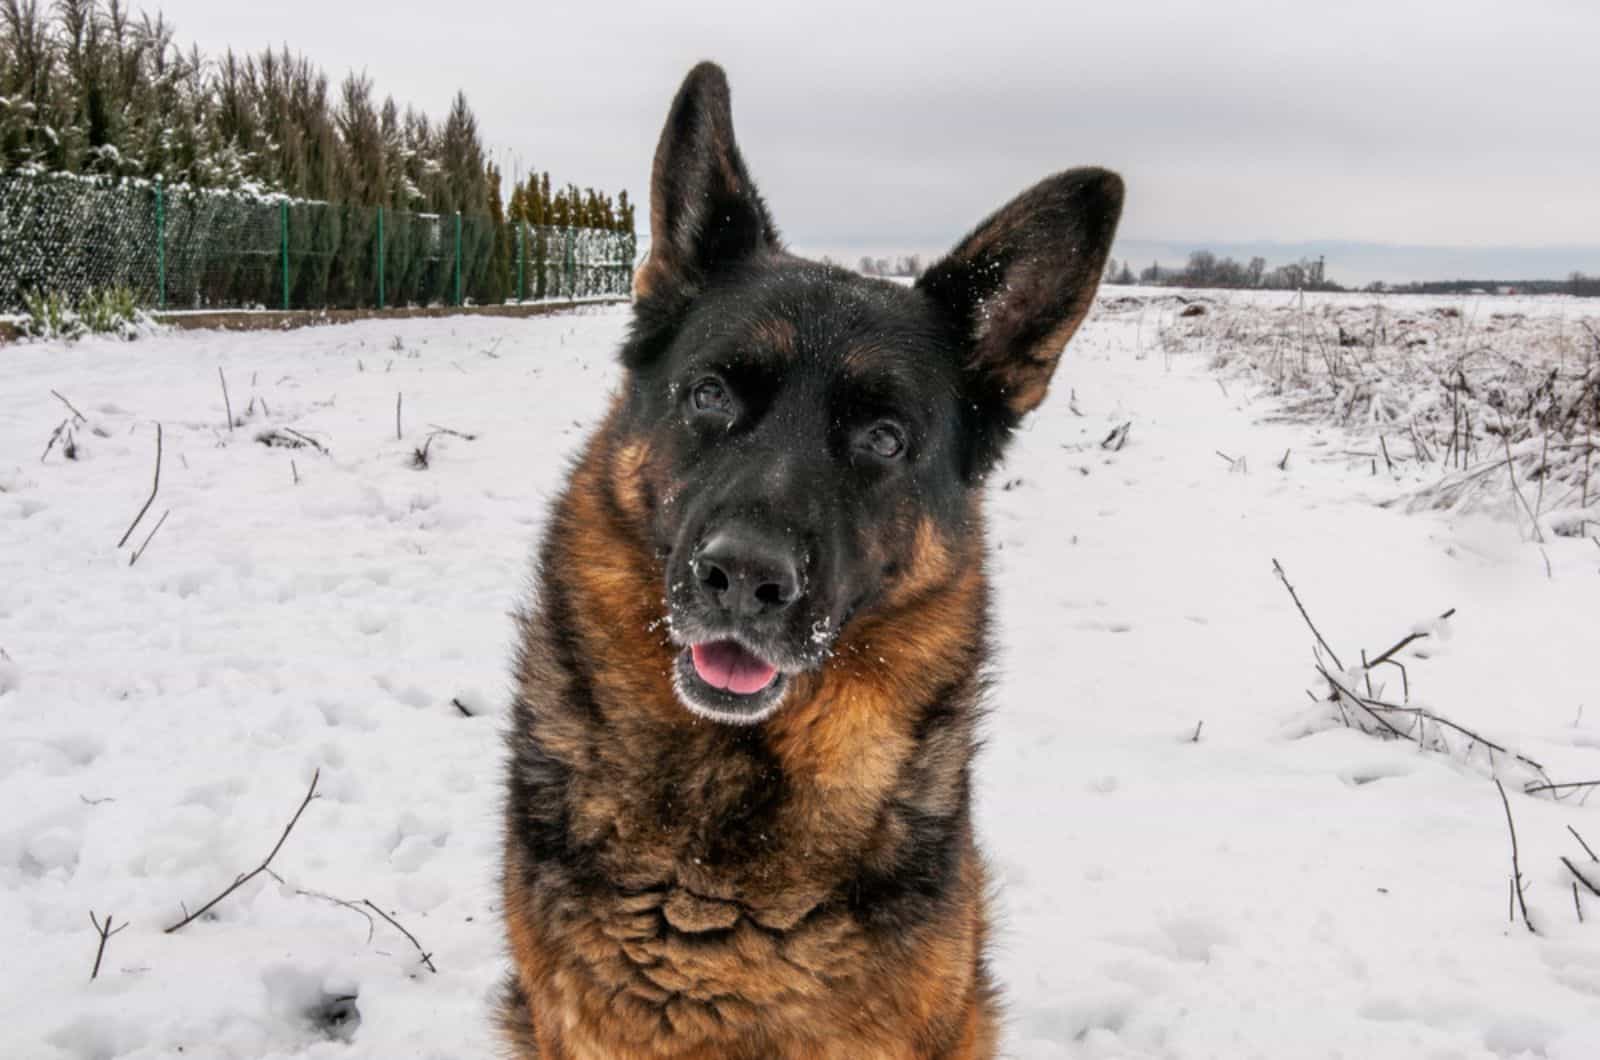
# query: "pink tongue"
{"type": "Point", "coordinates": [724, 664]}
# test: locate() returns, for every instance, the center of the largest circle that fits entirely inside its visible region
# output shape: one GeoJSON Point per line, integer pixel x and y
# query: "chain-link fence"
{"type": "Point", "coordinates": [182, 248]}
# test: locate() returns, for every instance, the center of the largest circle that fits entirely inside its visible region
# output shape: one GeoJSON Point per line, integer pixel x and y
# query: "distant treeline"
{"type": "Point", "coordinates": [89, 87]}
{"type": "Point", "coordinates": [1205, 269]}
{"type": "Point", "coordinates": [568, 207]}
{"type": "Point", "coordinates": [907, 265]}
{"type": "Point", "coordinates": [1575, 284]}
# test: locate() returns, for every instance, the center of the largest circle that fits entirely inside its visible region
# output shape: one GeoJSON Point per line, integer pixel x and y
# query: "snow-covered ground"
{"type": "Point", "coordinates": [1282, 886]}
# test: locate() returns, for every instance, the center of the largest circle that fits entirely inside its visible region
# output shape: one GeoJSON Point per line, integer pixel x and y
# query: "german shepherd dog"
{"type": "Point", "coordinates": [738, 817]}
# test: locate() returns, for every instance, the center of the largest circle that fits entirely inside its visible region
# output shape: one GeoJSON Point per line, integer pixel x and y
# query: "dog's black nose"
{"type": "Point", "coordinates": [746, 575]}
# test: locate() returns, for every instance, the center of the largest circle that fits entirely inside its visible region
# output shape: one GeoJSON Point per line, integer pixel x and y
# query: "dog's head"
{"type": "Point", "coordinates": [796, 440]}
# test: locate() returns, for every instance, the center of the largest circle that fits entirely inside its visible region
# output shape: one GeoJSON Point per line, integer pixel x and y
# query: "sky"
{"type": "Point", "coordinates": [1397, 137]}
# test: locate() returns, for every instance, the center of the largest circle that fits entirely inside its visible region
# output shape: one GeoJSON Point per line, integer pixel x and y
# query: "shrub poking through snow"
{"type": "Point", "coordinates": [48, 316]}
{"type": "Point", "coordinates": [111, 311]}
{"type": "Point", "coordinates": [1441, 387]}
{"type": "Point", "coordinates": [1356, 701]}
{"type": "Point", "coordinates": [102, 311]}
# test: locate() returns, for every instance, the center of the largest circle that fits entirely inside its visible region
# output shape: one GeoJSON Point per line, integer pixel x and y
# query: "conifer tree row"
{"type": "Point", "coordinates": [91, 87]}
{"type": "Point", "coordinates": [370, 204]}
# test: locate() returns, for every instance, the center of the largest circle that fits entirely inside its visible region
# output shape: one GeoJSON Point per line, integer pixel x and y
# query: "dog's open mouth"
{"type": "Point", "coordinates": [726, 681]}
{"type": "Point", "coordinates": [731, 667]}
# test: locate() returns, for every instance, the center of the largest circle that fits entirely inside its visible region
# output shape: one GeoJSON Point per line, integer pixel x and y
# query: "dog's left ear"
{"type": "Point", "coordinates": [1019, 286]}
{"type": "Point", "coordinates": [705, 212]}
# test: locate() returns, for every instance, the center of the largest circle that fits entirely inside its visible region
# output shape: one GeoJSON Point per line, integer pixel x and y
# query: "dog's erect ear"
{"type": "Point", "coordinates": [1021, 283]}
{"type": "Point", "coordinates": [705, 212]}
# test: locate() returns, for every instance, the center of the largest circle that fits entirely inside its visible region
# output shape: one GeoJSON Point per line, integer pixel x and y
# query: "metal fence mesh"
{"type": "Point", "coordinates": [182, 248]}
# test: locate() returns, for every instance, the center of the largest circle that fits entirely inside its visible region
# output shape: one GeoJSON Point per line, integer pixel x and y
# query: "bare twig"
{"type": "Point", "coordinates": [140, 550]}
{"type": "Point", "coordinates": [311, 793]}
{"type": "Point", "coordinates": [1420, 448]}
{"type": "Point", "coordinates": [1375, 706]}
{"type": "Point", "coordinates": [1535, 789]}
{"type": "Point", "coordinates": [1117, 438]}
{"type": "Point", "coordinates": [63, 430]}
{"type": "Point", "coordinates": [312, 442]}
{"type": "Point", "coordinates": [1283, 465]}
{"type": "Point", "coordinates": [1406, 642]}
{"type": "Point", "coordinates": [1581, 843]}
{"type": "Point", "coordinates": [1198, 726]}
{"type": "Point", "coordinates": [420, 455]}
{"type": "Point", "coordinates": [226, 404]}
{"type": "Point", "coordinates": [455, 701]}
{"type": "Point", "coordinates": [353, 907]}
{"type": "Point", "coordinates": [1278, 569]}
{"type": "Point", "coordinates": [1580, 877]}
{"type": "Point", "coordinates": [105, 936]}
{"type": "Point", "coordinates": [1538, 535]}
{"type": "Point", "coordinates": [427, 958]}
{"type": "Point", "coordinates": [1544, 475]}
{"type": "Point", "coordinates": [1516, 866]}
{"type": "Point", "coordinates": [399, 398]}
{"type": "Point", "coordinates": [154, 488]}
{"type": "Point", "coordinates": [80, 417]}
{"type": "Point", "coordinates": [434, 428]}
{"type": "Point", "coordinates": [1588, 455]}
{"type": "Point", "coordinates": [1576, 903]}
{"type": "Point", "coordinates": [295, 471]}
{"type": "Point", "coordinates": [1233, 464]}
{"type": "Point", "coordinates": [1343, 693]}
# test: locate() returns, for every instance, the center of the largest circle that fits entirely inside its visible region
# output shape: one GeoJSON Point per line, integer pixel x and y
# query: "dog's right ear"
{"type": "Point", "coordinates": [705, 212]}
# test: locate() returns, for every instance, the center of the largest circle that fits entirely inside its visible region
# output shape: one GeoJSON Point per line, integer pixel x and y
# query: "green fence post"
{"type": "Point", "coordinates": [522, 257]}
{"type": "Point", "coordinates": [569, 238]}
{"type": "Point", "coordinates": [458, 257]}
{"type": "Point", "coordinates": [283, 219]}
{"type": "Point", "coordinates": [380, 258]}
{"type": "Point", "coordinates": [161, 245]}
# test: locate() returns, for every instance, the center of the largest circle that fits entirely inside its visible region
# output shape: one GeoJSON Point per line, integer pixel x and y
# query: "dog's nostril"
{"type": "Point", "coordinates": [710, 574]}
{"type": "Point", "coordinates": [714, 578]}
{"type": "Point", "coordinates": [772, 594]}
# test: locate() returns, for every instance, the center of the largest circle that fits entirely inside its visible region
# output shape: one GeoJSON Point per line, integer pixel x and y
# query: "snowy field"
{"type": "Point", "coordinates": [1192, 858]}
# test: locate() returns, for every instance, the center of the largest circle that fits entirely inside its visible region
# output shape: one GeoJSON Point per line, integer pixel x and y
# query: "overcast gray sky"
{"type": "Point", "coordinates": [1471, 124]}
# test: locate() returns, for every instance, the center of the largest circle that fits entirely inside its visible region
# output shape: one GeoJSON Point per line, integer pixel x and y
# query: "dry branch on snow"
{"type": "Point", "coordinates": [105, 931]}
{"type": "Point", "coordinates": [154, 489]}
{"type": "Point", "coordinates": [245, 878]}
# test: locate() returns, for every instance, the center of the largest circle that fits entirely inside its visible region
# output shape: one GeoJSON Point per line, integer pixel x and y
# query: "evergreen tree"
{"type": "Point", "coordinates": [29, 81]}
{"type": "Point", "coordinates": [365, 169]}
{"type": "Point", "coordinates": [538, 211]}
{"type": "Point", "coordinates": [391, 133]}
{"type": "Point", "coordinates": [624, 213]}
{"type": "Point", "coordinates": [496, 285]}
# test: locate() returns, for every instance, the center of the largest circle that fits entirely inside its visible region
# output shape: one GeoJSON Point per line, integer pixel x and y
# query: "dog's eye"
{"type": "Point", "coordinates": [885, 440]}
{"type": "Point", "coordinates": [711, 396]}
